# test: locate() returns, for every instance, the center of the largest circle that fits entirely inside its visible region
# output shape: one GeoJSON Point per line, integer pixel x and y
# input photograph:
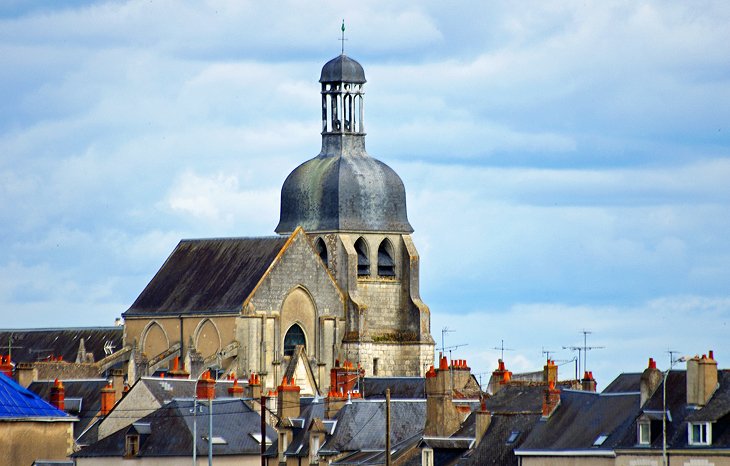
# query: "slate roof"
{"type": "Point", "coordinates": [18, 403]}
{"type": "Point", "coordinates": [171, 431]}
{"type": "Point", "coordinates": [361, 424]}
{"type": "Point", "coordinates": [580, 418]}
{"type": "Point", "coordinates": [166, 389]}
{"type": "Point", "coordinates": [30, 345]}
{"type": "Point", "coordinates": [299, 446]}
{"type": "Point", "coordinates": [342, 69]}
{"type": "Point", "coordinates": [624, 383]}
{"type": "Point", "coordinates": [207, 276]}
{"type": "Point", "coordinates": [400, 387]}
{"type": "Point", "coordinates": [88, 390]}
{"type": "Point", "coordinates": [517, 399]}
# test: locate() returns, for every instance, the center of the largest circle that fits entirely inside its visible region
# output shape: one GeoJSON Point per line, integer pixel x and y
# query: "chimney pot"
{"type": "Point", "coordinates": [58, 395]}
{"type": "Point", "coordinates": [107, 399]}
{"type": "Point", "coordinates": [712, 354]}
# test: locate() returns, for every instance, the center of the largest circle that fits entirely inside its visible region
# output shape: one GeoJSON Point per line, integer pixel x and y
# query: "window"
{"type": "Point", "coordinates": [599, 440]}
{"type": "Point", "coordinates": [375, 366]}
{"type": "Point", "coordinates": [386, 265]}
{"type": "Point", "coordinates": [644, 433]}
{"type": "Point", "coordinates": [321, 249]}
{"type": "Point", "coordinates": [294, 337]}
{"type": "Point", "coordinates": [513, 436]}
{"type": "Point", "coordinates": [131, 445]}
{"type": "Point", "coordinates": [700, 433]}
{"type": "Point", "coordinates": [427, 457]}
{"type": "Point", "coordinates": [363, 261]}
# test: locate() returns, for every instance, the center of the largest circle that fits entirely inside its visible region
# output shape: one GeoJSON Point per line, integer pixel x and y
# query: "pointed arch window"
{"type": "Point", "coordinates": [321, 249]}
{"type": "Point", "coordinates": [294, 337]}
{"type": "Point", "coordinates": [386, 264]}
{"type": "Point", "coordinates": [363, 260]}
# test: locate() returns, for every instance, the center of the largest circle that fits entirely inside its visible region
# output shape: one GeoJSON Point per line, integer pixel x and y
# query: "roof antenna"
{"type": "Point", "coordinates": [343, 37]}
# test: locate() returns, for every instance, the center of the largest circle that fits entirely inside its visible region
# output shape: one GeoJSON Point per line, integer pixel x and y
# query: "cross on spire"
{"type": "Point", "coordinates": [343, 37]}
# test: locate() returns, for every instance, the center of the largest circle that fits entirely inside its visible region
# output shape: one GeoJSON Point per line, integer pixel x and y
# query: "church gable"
{"type": "Point", "coordinates": [207, 276]}
{"type": "Point", "coordinates": [299, 274]}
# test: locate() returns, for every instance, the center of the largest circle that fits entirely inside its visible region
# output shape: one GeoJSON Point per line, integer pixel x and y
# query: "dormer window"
{"type": "Point", "coordinates": [644, 433]}
{"type": "Point", "coordinates": [131, 445]}
{"type": "Point", "coordinates": [700, 433]}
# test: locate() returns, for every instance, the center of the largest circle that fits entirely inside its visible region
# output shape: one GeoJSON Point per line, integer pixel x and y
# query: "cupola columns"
{"type": "Point", "coordinates": [343, 109]}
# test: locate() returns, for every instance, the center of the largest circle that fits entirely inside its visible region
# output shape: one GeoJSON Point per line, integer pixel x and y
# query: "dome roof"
{"type": "Point", "coordinates": [342, 69]}
{"type": "Point", "coordinates": [343, 193]}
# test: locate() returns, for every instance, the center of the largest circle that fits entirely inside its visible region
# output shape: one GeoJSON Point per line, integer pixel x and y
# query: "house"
{"type": "Point", "coordinates": [30, 428]}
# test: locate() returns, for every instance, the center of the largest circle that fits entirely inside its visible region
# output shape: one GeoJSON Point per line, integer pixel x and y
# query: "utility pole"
{"type": "Point", "coordinates": [195, 431]}
{"type": "Point", "coordinates": [387, 427]}
{"type": "Point", "coordinates": [263, 428]}
{"type": "Point", "coordinates": [210, 432]}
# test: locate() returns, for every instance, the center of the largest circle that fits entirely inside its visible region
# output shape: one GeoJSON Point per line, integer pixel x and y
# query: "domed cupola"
{"type": "Point", "coordinates": [343, 188]}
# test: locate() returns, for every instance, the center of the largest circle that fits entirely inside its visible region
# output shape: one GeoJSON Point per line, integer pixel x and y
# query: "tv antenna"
{"type": "Point", "coordinates": [444, 331]}
{"type": "Point", "coordinates": [547, 353]}
{"type": "Point", "coordinates": [585, 348]}
{"type": "Point", "coordinates": [671, 356]}
{"type": "Point", "coordinates": [502, 349]}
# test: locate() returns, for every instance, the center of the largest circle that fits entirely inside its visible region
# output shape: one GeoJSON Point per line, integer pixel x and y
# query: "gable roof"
{"type": "Point", "coordinates": [30, 345]}
{"type": "Point", "coordinates": [361, 423]}
{"type": "Point", "coordinates": [400, 387]}
{"type": "Point", "coordinates": [580, 418]}
{"type": "Point", "coordinates": [171, 431]}
{"type": "Point", "coordinates": [208, 276]}
{"type": "Point", "coordinates": [18, 403]}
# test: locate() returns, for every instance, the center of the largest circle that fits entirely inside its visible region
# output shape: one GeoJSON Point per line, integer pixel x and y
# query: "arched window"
{"type": "Point", "coordinates": [321, 249]}
{"type": "Point", "coordinates": [386, 264]}
{"type": "Point", "coordinates": [363, 261]}
{"type": "Point", "coordinates": [294, 337]}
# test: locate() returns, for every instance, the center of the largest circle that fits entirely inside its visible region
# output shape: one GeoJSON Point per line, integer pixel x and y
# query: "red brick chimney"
{"type": "Point", "coordinates": [178, 372]}
{"type": "Point", "coordinates": [6, 366]}
{"type": "Point", "coordinates": [500, 377]}
{"type": "Point", "coordinates": [58, 395]}
{"type": "Point", "coordinates": [551, 400]}
{"type": "Point", "coordinates": [107, 399]}
{"type": "Point", "coordinates": [343, 379]}
{"type": "Point", "coordinates": [550, 372]}
{"type": "Point", "coordinates": [288, 398]}
{"type": "Point", "coordinates": [205, 389]}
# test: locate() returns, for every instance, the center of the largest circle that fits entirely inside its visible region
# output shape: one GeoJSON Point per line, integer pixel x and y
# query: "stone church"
{"type": "Point", "coordinates": [339, 282]}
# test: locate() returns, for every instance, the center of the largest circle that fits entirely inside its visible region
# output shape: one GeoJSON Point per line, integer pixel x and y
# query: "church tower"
{"type": "Point", "coordinates": [353, 208]}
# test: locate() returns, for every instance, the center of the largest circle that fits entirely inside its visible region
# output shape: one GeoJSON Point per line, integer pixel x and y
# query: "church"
{"type": "Point", "coordinates": [339, 282]}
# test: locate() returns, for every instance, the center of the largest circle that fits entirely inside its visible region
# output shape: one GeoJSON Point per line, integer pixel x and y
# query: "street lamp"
{"type": "Point", "coordinates": [664, 407]}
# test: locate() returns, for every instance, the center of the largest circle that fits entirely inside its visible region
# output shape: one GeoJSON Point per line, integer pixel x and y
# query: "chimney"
{"type": "Point", "coordinates": [107, 399]}
{"type": "Point", "coordinates": [118, 383]}
{"type": "Point", "coordinates": [551, 400]}
{"type": "Point", "coordinates": [58, 395]}
{"type": "Point", "coordinates": [235, 390]}
{"type": "Point", "coordinates": [344, 379]}
{"type": "Point", "coordinates": [701, 379]}
{"type": "Point", "coordinates": [6, 366]}
{"type": "Point", "coordinates": [550, 372]}
{"type": "Point", "coordinates": [501, 376]}
{"type": "Point", "coordinates": [442, 418]}
{"type": "Point", "coordinates": [461, 373]}
{"type": "Point", "coordinates": [588, 383]}
{"type": "Point", "coordinates": [178, 372]}
{"type": "Point", "coordinates": [484, 418]}
{"type": "Point", "coordinates": [333, 403]}
{"type": "Point", "coordinates": [288, 398]}
{"type": "Point", "coordinates": [205, 389]}
{"type": "Point", "coordinates": [26, 373]}
{"type": "Point", "coordinates": [651, 378]}
{"type": "Point", "coordinates": [253, 390]}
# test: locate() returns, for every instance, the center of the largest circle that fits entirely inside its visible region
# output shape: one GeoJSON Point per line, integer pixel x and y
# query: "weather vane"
{"type": "Point", "coordinates": [343, 37]}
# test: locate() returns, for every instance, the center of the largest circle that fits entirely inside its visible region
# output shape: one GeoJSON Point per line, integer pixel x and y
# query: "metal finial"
{"type": "Point", "coordinates": [343, 37]}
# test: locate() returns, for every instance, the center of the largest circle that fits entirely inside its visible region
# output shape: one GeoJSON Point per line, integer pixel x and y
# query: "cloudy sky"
{"type": "Point", "coordinates": [567, 164]}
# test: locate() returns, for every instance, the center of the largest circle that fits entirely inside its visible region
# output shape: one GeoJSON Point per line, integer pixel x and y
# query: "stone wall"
{"type": "Point", "coordinates": [23, 442]}
{"type": "Point", "coordinates": [393, 359]}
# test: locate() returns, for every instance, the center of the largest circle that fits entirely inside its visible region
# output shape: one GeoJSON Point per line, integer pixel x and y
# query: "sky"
{"type": "Point", "coordinates": [566, 163]}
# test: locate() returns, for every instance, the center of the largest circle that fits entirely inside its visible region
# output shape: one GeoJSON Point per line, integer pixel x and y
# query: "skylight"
{"type": "Point", "coordinates": [599, 441]}
{"type": "Point", "coordinates": [513, 436]}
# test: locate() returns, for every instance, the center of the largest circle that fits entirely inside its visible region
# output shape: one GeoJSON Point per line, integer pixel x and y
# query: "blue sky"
{"type": "Point", "coordinates": [566, 163]}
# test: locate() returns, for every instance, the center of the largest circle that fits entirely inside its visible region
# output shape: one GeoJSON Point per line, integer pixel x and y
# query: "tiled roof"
{"type": "Point", "coordinates": [171, 431]}
{"type": "Point", "coordinates": [89, 391]}
{"type": "Point", "coordinates": [400, 387]}
{"type": "Point", "coordinates": [30, 345]}
{"type": "Point", "coordinates": [207, 276]}
{"type": "Point", "coordinates": [17, 402]}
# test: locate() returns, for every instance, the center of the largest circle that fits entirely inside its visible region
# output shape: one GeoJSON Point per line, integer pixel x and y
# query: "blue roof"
{"type": "Point", "coordinates": [18, 402]}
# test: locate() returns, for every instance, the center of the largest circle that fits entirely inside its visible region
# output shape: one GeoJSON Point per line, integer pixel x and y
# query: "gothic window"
{"type": "Point", "coordinates": [294, 336]}
{"type": "Point", "coordinates": [321, 249]}
{"type": "Point", "coordinates": [363, 261]}
{"type": "Point", "coordinates": [386, 265]}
